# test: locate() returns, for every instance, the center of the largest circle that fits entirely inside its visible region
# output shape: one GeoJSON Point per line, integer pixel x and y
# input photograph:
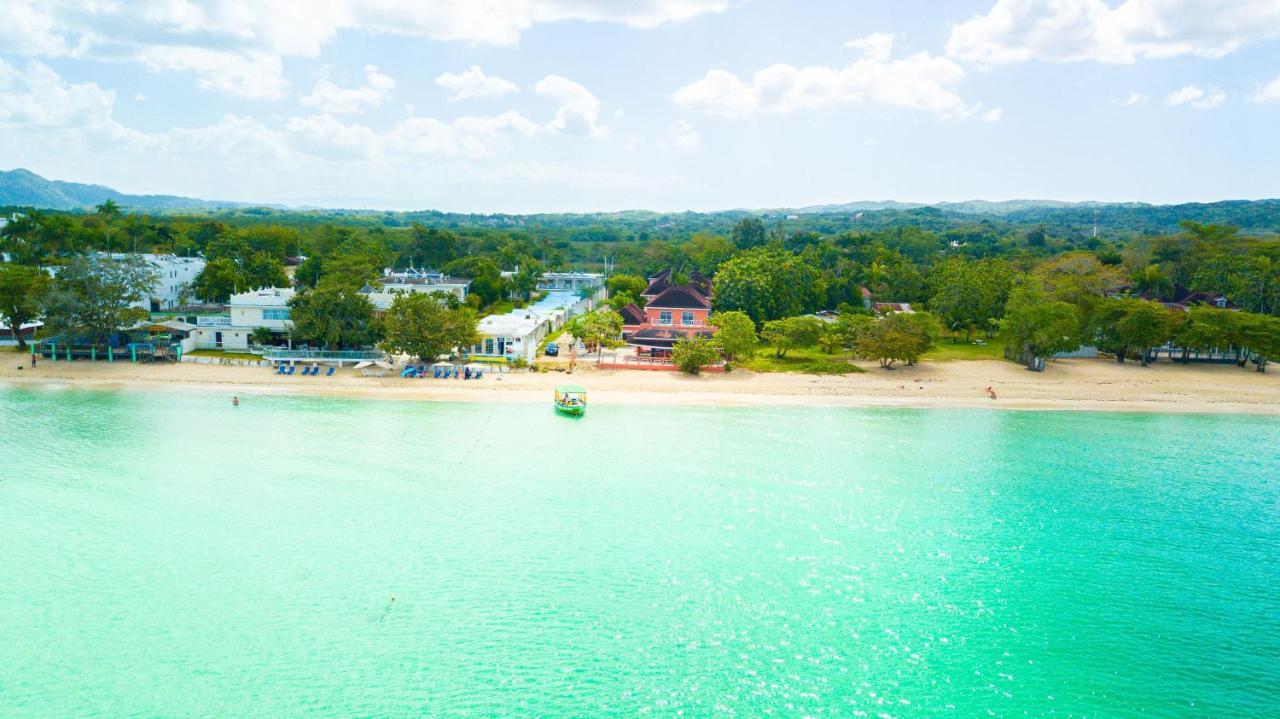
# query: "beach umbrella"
{"type": "Point", "coordinates": [362, 365]}
{"type": "Point", "coordinates": [383, 364]}
{"type": "Point", "coordinates": [442, 364]}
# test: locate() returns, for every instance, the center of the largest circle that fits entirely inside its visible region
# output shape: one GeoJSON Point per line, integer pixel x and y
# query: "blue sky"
{"type": "Point", "coordinates": [577, 105]}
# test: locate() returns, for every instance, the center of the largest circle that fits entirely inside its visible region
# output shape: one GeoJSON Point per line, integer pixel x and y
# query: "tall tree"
{"type": "Point", "coordinates": [767, 283]}
{"type": "Point", "coordinates": [21, 290]}
{"type": "Point", "coordinates": [90, 300]}
{"type": "Point", "coordinates": [427, 326]}
{"type": "Point", "coordinates": [334, 316]}
{"type": "Point", "coordinates": [1037, 326]}
{"type": "Point", "coordinates": [749, 233]}
{"type": "Point", "coordinates": [735, 335]}
{"type": "Point", "coordinates": [791, 333]}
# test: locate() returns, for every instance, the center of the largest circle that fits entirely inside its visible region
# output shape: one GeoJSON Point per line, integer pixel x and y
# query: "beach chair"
{"type": "Point", "coordinates": [331, 371]}
{"type": "Point", "coordinates": [292, 369]}
{"type": "Point", "coordinates": [280, 368]}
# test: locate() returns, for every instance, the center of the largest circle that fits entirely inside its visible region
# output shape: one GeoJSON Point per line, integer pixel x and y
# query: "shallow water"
{"type": "Point", "coordinates": [171, 555]}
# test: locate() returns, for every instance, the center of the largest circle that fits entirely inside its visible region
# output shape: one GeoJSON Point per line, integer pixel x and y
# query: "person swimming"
{"type": "Point", "coordinates": [235, 401]}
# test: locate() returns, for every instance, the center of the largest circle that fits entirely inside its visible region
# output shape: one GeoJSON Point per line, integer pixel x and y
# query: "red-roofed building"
{"type": "Point", "coordinates": [670, 312]}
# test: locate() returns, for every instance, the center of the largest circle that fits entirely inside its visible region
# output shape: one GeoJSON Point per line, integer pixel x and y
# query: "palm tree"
{"type": "Point", "coordinates": [108, 211]}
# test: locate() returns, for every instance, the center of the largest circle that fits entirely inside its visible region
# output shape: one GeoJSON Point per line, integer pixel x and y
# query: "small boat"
{"type": "Point", "coordinates": [571, 399]}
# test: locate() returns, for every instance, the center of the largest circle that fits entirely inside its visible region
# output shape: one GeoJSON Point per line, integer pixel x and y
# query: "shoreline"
{"type": "Point", "coordinates": [1068, 385]}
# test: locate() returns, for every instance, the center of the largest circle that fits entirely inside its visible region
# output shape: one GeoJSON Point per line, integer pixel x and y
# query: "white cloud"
{"type": "Point", "coordinates": [333, 98]}
{"type": "Point", "coordinates": [682, 136]}
{"type": "Point", "coordinates": [993, 115]}
{"type": "Point", "coordinates": [1199, 98]}
{"type": "Point", "coordinates": [1080, 30]}
{"type": "Point", "coordinates": [876, 46]}
{"type": "Point", "coordinates": [1269, 92]}
{"type": "Point", "coordinates": [579, 111]}
{"type": "Point", "coordinates": [1136, 99]}
{"type": "Point", "coordinates": [474, 84]}
{"type": "Point", "coordinates": [237, 46]}
{"type": "Point", "coordinates": [37, 97]}
{"type": "Point", "coordinates": [251, 75]}
{"type": "Point", "coordinates": [920, 82]}
{"type": "Point", "coordinates": [476, 136]}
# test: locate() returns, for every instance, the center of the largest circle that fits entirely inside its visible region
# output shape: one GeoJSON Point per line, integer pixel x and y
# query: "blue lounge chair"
{"type": "Point", "coordinates": [280, 368]}
{"type": "Point", "coordinates": [292, 369]}
{"type": "Point", "coordinates": [306, 371]}
{"type": "Point", "coordinates": [331, 371]}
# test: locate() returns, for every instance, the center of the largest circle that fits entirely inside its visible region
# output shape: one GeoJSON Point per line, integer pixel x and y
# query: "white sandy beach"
{"type": "Point", "coordinates": [1066, 385]}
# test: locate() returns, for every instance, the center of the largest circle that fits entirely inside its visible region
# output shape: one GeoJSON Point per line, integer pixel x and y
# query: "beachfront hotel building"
{"type": "Point", "coordinates": [519, 332]}
{"type": "Point", "coordinates": [671, 312]}
{"type": "Point", "coordinates": [173, 276]}
{"type": "Point", "coordinates": [394, 282]}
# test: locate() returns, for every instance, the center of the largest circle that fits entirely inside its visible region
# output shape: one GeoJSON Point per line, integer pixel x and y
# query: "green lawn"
{"type": "Point", "coordinates": [809, 360]}
{"type": "Point", "coordinates": [226, 355]}
{"type": "Point", "coordinates": [946, 350]}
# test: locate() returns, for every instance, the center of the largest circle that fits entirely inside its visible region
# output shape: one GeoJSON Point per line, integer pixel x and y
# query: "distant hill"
{"type": "Point", "coordinates": [23, 188]}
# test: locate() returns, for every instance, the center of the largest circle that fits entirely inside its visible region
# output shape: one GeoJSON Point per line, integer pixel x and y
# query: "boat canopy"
{"type": "Point", "coordinates": [571, 389]}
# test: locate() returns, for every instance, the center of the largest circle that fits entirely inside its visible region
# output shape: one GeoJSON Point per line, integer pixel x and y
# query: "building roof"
{"type": "Point", "coordinates": [664, 337]}
{"type": "Point", "coordinates": [516, 324]}
{"type": "Point", "coordinates": [682, 297]}
{"type": "Point", "coordinates": [632, 315]}
{"type": "Point", "coordinates": [893, 307]}
{"type": "Point", "coordinates": [656, 287]}
{"type": "Point", "coordinates": [265, 297]}
{"type": "Point", "coordinates": [699, 282]}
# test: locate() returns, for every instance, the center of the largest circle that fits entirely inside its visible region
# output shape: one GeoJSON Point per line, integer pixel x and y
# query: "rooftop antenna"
{"type": "Point", "coordinates": [1095, 223]}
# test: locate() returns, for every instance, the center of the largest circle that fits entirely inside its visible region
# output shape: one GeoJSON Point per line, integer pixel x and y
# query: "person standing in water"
{"type": "Point", "coordinates": [235, 401]}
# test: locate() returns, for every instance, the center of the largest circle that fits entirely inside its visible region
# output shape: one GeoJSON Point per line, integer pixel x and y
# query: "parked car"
{"type": "Point", "coordinates": [553, 350]}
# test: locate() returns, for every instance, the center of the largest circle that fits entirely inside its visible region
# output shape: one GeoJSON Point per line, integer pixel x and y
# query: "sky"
{"type": "Point", "coordinates": [596, 105]}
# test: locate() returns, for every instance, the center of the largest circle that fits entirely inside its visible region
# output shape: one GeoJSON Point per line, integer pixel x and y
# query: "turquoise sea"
{"type": "Point", "coordinates": [169, 555]}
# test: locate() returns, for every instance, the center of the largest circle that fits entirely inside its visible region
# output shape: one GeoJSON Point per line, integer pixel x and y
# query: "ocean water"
{"type": "Point", "coordinates": [169, 555]}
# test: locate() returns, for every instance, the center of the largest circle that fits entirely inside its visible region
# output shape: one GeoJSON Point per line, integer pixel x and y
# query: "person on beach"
{"type": "Point", "coordinates": [33, 360]}
{"type": "Point", "coordinates": [991, 392]}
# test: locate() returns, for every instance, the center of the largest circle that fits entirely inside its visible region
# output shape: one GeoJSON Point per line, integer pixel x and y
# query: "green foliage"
{"type": "Point", "coordinates": [767, 283]}
{"type": "Point", "coordinates": [427, 326]}
{"type": "Point", "coordinates": [219, 279]}
{"type": "Point", "coordinates": [22, 289]}
{"type": "Point", "coordinates": [89, 300]}
{"type": "Point", "coordinates": [261, 336]}
{"type": "Point", "coordinates": [631, 285]}
{"type": "Point", "coordinates": [1203, 329]}
{"type": "Point", "coordinates": [735, 336]}
{"type": "Point", "coordinates": [749, 233]}
{"type": "Point", "coordinates": [787, 334]}
{"type": "Point", "coordinates": [596, 329]}
{"type": "Point", "coordinates": [1124, 324]}
{"type": "Point", "coordinates": [969, 295]}
{"type": "Point", "coordinates": [333, 316]}
{"type": "Point", "coordinates": [1038, 326]}
{"type": "Point", "coordinates": [899, 337]}
{"type": "Point", "coordinates": [691, 354]}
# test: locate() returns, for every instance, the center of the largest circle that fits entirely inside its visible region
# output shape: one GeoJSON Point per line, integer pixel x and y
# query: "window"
{"type": "Point", "coordinates": [275, 314]}
{"type": "Point", "coordinates": [664, 318]}
{"type": "Point", "coordinates": [686, 319]}
{"type": "Point", "coordinates": [488, 345]}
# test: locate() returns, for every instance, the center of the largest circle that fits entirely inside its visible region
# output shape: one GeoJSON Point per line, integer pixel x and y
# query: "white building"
{"type": "Point", "coordinates": [173, 275]}
{"type": "Point", "coordinates": [576, 281]}
{"type": "Point", "coordinates": [413, 280]}
{"type": "Point", "coordinates": [519, 332]}
{"type": "Point", "coordinates": [246, 311]}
